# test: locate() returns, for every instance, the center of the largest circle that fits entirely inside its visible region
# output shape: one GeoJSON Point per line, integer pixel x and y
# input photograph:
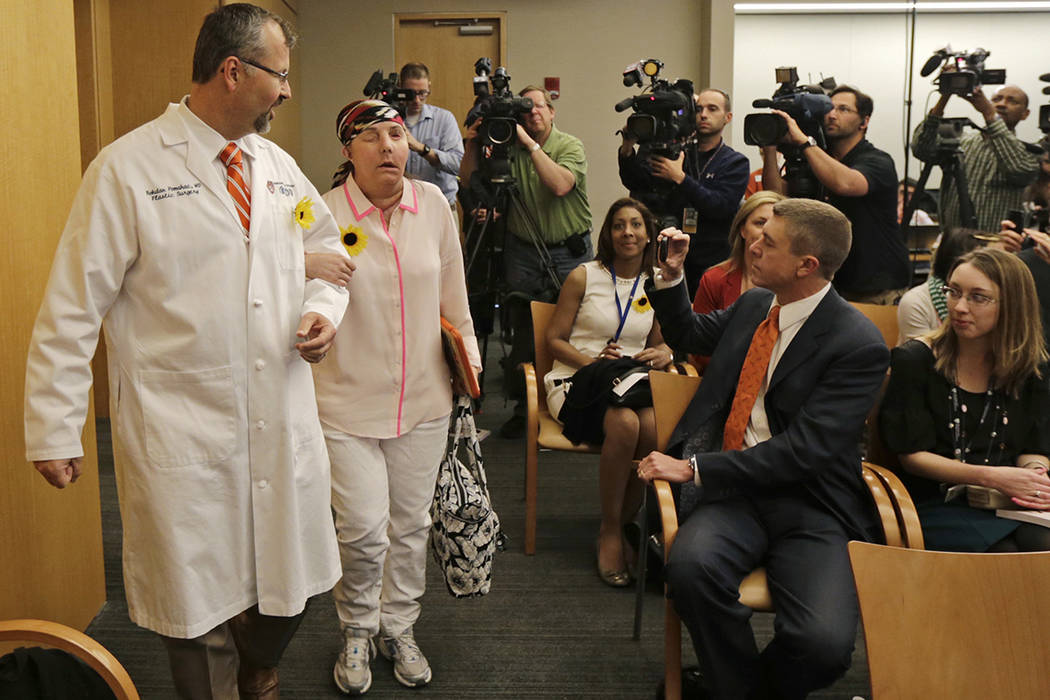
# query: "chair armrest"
{"type": "Point", "coordinates": [71, 641]}
{"type": "Point", "coordinates": [668, 514]}
{"type": "Point", "coordinates": [891, 532]}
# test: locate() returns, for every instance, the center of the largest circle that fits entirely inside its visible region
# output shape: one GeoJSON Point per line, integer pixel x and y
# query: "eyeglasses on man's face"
{"type": "Point", "coordinates": [843, 109]}
{"type": "Point", "coordinates": [954, 294]}
{"type": "Point", "coordinates": [280, 75]}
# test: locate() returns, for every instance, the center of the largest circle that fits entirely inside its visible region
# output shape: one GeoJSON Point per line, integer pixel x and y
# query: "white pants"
{"type": "Point", "coordinates": [381, 493]}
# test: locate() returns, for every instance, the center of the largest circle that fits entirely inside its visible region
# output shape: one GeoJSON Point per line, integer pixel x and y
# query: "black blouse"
{"type": "Point", "coordinates": [916, 413]}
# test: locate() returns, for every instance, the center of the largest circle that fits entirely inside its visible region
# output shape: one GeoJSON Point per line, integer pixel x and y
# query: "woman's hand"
{"type": "Point", "coordinates": [610, 352]}
{"type": "Point", "coordinates": [657, 358]}
{"type": "Point", "coordinates": [1028, 488]}
{"type": "Point", "coordinates": [330, 267]}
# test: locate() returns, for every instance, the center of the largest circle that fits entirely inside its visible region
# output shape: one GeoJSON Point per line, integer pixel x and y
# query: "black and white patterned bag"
{"type": "Point", "coordinates": [466, 530]}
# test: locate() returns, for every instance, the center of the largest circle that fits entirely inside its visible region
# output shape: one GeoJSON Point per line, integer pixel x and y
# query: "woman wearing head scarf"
{"type": "Point", "coordinates": [385, 400]}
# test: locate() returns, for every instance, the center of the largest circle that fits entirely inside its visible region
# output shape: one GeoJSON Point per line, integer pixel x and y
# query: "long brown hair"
{"type": "Point", "coordinates": [1017, 348]}
{"type": "Point", "coordinates": [605, 253]}
{"type": "Point", "coordinates": [737, 245]}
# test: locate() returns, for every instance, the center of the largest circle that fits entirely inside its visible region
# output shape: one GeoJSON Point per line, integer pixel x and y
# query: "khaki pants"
{"type": "Point", "coordinates": [206, 667]}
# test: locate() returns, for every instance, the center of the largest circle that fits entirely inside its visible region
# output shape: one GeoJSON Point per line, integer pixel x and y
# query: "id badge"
{"type": "Point", "coordinates": [689, 220]}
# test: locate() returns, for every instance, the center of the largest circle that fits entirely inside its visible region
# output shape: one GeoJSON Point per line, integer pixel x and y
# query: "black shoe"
{"type": "Point", "coordinates": [514, 428]}
{"type": "Point", "coordinates": [692, 685]}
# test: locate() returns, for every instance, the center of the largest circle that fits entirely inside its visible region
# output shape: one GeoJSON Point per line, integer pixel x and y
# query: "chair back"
{"type": "Point", "coordinates": [953, 625]}
{"type": "Point", "coordinates": [671, 396]}
{"type": "Point", "coordinates": [884, 316]}
{"type": "Point", "coordinates": [541, 318]}
{"type": "Point", "coordinates": [75, 642]}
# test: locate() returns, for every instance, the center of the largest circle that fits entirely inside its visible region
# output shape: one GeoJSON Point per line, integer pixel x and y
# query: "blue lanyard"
{"type": "Point", "coordinates": [620, 310]}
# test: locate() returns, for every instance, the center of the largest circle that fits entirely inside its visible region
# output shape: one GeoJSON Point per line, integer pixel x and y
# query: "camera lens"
{"type": "Point", "coordinates": [763, 129]}
{"type": "Point", "coordinates": [500, 130]}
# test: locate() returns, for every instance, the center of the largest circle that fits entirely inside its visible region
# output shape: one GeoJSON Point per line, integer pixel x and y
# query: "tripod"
{"type": "Point", "coordinates": [487, 286]}
{"type": "Point", "coordinates": [949, 158]}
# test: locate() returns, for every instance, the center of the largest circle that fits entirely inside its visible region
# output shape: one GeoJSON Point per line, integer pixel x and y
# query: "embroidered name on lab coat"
{"type": "Point", "coordinates": [282, 187]}
{"type": "Point", "coordinates": [157, 193]}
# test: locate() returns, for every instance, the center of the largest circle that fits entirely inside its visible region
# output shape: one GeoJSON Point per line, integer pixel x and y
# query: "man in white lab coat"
{"type": "Point", "coordinates": [187, 238]}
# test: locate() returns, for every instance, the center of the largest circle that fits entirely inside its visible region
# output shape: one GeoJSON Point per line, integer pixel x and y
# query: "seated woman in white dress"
{"type": "Point", "coordinates": [602, 318]}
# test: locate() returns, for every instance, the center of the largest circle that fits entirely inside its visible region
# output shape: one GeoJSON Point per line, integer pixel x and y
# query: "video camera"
{"type": "Point", "coordinates": [499, 109]}
{"type": "Point", "coordinates": [807, 105]}
{"type": "Point", "coordinates": [969, 73]}
{"type": "Point", "coordinates": [1044, 113]}
{"type": "Point", "coordinates": [387, 90]}
{"type": "Point", "coordinates": [664, 117]}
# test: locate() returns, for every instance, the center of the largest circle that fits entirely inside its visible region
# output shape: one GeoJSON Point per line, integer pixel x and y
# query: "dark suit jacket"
{"type": "Point", "coordinates": [819, 397]}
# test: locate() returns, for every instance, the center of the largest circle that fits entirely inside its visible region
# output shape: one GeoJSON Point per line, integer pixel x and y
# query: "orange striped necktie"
{"type": "Point", "coordinates": [751, 375]}
{"type": "Point", "coordinates": [242, 198]}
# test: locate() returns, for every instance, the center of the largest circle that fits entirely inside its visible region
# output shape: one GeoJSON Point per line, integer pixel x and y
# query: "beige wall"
{"type": "Point", "coordinates": [50, 540]}
{"type": "Point", "coordinates": [587, 43]}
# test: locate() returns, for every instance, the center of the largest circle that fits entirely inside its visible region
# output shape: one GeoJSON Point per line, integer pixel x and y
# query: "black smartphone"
{"type": "Point", "coordinates": [1016, 217]}
{"type": "Point", "coordinates": [662, 244]}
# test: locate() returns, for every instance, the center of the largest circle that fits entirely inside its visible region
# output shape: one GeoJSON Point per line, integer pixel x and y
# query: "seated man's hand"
{"type": "Point", "coordinates": [677, 247]}
{"type": "Point", "coordinates": [657, 465]}
{"type": "Point", "coordinates": [330, 267]}
{"type": "Point", "coordinates": [667, 169]}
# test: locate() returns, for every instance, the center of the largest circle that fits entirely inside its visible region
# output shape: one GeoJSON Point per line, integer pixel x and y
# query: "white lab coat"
{"type": "Point", "coordinates": [221, 466]}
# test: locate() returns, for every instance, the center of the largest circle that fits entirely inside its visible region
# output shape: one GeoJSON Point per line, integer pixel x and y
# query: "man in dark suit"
{"type": "Point", "coordinates": [771, 473]}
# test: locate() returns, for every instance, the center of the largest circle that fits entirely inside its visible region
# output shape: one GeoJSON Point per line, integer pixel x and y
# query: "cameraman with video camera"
{"type": "Point", "coordinates": [435, 146]}
{"type": "Point", "coordinates": [860, 181]}
{"type": "Point", "coordinates": [997, 164]}
{"type": "Point", "coordinates": [550, 169]}
{"type": "Point", "coordinates": [698, 192]}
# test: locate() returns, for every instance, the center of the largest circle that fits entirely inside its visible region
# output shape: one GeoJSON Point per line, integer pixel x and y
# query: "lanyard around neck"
{"type": "Point", "coordinates": [622, 311]}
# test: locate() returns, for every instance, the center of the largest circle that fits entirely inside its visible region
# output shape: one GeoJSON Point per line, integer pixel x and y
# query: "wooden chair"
{"type": "Point", "coordinates": [884, 316]}
{"type": "Point", "coordinates": [671, 396]}
{"type": "Point", "coordinates": [952, 625]}
{"type": "Point", "coordinates": [542, 431]}
{"type": "Point", "coordinates": [58, 636]}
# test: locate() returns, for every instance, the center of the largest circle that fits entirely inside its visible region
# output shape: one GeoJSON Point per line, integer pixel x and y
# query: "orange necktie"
{"type": "Point", "coordinates": [751, 375]}
{"type": "Point", "coordinates": [242, 198]}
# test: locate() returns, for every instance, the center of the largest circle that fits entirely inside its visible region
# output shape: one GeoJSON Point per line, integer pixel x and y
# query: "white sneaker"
{"type": "Point", "coordinates": [352, 672]}
{"type": "Point", "coordinates": [410, 666]}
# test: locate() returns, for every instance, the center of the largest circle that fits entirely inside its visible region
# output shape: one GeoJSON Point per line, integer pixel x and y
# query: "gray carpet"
{"type": "Point", "coordinates": [548, 629]}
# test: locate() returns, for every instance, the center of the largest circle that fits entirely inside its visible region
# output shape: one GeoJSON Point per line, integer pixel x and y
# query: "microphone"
{"type": "Point", "coordinates": [932, 62]}
{"type": "Point", "coordinates": [1045, 77]}
{"type": "Point", "coordinates": [762, 104]}
{"type": "Point", "coordinates": [624, 104]}
{"type": "Point", "coordinates": [1046, 90]}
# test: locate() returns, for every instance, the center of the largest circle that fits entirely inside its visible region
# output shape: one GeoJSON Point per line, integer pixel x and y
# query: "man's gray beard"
{"type": "Point", "coordinates": [262, 123]}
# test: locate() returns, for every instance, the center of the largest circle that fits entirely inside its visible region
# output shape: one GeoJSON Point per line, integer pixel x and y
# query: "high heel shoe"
{"type": "Point", "coordinates": [612, 577]}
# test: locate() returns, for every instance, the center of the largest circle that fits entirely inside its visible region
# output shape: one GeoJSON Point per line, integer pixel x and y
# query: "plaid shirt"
{"type": "Point", "coordinates": [998, 168]}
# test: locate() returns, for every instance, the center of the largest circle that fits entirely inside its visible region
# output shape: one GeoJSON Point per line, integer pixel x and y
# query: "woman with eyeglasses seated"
{"type": "Point", "coordinates": [603, 318]}
{"type": "Point", "coordinates": [923, 308]}
{"type": "Point", "coordinates": [968, 405]}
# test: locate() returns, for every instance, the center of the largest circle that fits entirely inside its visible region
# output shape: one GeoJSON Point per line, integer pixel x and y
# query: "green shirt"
{"type": "Point", "coordinates": [557, 217]}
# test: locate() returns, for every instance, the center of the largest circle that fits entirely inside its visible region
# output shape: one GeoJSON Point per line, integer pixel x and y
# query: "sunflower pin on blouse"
{"type": "Point", "coordinates": [642, 305]}
{"type": "Point", "coordinates": [354, 239]}
{"type": "Point", "coordinates": [304, 213]}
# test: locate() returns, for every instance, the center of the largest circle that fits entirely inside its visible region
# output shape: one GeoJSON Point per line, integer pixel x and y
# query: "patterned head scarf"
{"type": "Point", "coordinates": [361, 114]}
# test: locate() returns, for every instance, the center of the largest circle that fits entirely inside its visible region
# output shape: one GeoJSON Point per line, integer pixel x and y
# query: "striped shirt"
{"type": "Point", "coordinates": [437, 128]}
{"type": "Point", "coordinates": [998, 168]}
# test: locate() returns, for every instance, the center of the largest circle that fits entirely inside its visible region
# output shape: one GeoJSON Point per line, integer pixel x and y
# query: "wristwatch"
{"type": "Point", "coordinates": [694, 464]}
{"type": "Point", "coordinates": [809, 142]}
{"type": "Point", "coordinates": [426, 150]}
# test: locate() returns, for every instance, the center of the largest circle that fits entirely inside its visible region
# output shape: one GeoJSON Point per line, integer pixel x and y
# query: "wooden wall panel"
{"type": "Point", "coordinates": [50, 540]}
